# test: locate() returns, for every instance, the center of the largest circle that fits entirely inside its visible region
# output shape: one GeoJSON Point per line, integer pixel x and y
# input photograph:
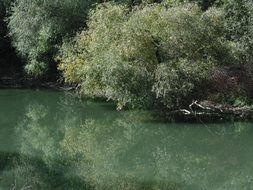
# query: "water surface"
{"type": "Point", "coordinates": [53, 140]}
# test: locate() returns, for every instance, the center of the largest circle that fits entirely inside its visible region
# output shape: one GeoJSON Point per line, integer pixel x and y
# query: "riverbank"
{"type": "Point", "coordinates": [32, 83]}
{"type": "Point", "coordinates": [197, 111]}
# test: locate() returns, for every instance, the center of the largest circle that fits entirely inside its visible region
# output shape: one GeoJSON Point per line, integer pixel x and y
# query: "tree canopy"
{"type": "Point", "coordinates": [139, 53]}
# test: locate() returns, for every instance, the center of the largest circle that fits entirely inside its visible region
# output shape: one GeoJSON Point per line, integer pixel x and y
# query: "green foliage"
{"type": "Point", "coordinates": [134, 56]}
{"type": "Point", "coordinates": [36, 26]}
{"type": "Point", "coordinates": [139, 53]}
{"type": "Point", "coordinates": [9, 65]}
{"type": "Point", "coordinates": [238, 23]}
{"type": "Point", "coordinates": [176, 84]}
{"type": "Point", "coordinates": [5, 4]}
{"type": "Point", "coordinates": [116, 64]}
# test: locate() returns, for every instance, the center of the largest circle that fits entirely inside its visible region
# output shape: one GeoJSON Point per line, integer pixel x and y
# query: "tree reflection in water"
{"type": "Point", "coordinates": [68, 144]}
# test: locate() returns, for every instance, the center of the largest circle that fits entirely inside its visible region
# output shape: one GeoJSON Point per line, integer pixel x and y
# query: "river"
{"type": "Point", "coordinates": [54, 140]}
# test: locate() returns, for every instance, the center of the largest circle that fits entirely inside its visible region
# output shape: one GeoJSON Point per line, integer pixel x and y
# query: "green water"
{"type": "Point", "coordinates": [52, 140]}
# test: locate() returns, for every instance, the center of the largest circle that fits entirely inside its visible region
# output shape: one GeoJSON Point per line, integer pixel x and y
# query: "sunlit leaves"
{"type": "Point", "coordinates": [123, 54]}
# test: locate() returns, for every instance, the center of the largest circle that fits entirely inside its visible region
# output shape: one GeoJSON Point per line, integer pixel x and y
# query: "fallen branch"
{"type": "Point", "coordinates": [212, 109]}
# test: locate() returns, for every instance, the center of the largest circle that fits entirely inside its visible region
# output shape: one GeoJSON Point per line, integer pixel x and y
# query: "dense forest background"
{"type": "Point", "coordinates": [147, 54]}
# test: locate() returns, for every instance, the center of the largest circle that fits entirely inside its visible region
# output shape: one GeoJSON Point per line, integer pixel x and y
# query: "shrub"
{"type": "Point", "coordinates": [112, 60]}
{"type": "Point", "coordinates": [176, 83]}
{"type": "Point", "coordinates": [36, 26]}
{"type": "Point", "coordinates": [132, 57]}
{"type": "Point", "coordinates": [238, 23]}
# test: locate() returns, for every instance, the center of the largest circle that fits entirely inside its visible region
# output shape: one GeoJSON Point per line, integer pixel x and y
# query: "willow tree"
{"type": "Point", "coordinates": [37, 26]}
{"type": "Point", "coordinates": [151, 54]}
